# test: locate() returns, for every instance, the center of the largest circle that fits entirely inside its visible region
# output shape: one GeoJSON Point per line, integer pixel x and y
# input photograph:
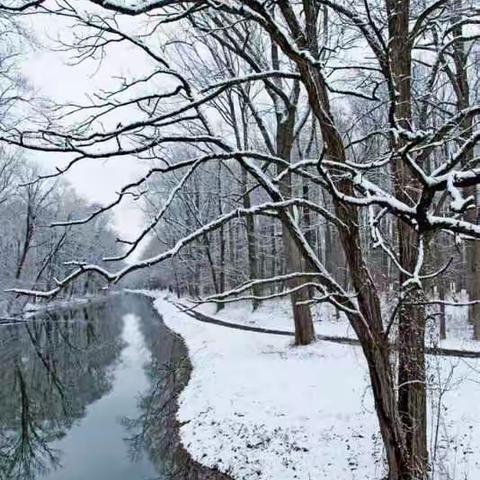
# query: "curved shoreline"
{"type": "Point", "coordinates": [182, 465]}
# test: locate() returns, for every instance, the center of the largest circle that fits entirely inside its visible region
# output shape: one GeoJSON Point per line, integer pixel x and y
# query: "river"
{"type": "Point", "coordinates": [90, 393]}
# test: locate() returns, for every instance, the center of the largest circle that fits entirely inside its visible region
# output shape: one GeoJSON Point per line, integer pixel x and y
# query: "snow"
{"type": "Point", "coordinates": [258, 408]}
{"type": "Point", "coordinates": [459, 330]}
{"type": "Point", "coordinates": [276, 315]}
{"type": "Point", "coordinates": [32, 309]}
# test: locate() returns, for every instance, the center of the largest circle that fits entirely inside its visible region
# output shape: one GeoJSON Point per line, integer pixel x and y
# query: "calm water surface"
{"type": "Point", "coordinates": [89, 393]}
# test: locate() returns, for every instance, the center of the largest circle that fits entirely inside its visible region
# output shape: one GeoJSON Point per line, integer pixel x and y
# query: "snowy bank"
{"type": "Point", "coordinates": [258, 408]}
{"type": "Point", "coordinates": [277, 314]}
{"type": "Point", "coordinates": [32, 309]}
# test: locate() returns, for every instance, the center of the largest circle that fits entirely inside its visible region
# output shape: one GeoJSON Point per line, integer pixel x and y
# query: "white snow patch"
{"type": "Point", "coordinates": [277, 315]}
{"type": "Point", "coordinates": [258, 408]}
{"type": "Point", "coordinates": [32, 309]}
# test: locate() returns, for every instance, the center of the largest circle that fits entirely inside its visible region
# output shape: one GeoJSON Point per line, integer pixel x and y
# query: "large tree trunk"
{"type": "Point", "coordinates": [304, 330]}
{"type": "Point", "coordinates": [368, 325]}
{"type": "Point", "coordinates": [411, 382]}
{"type": "Point", "coordinates": [302, 317]}
{"type": "Point", "coordinates": [411, 321]}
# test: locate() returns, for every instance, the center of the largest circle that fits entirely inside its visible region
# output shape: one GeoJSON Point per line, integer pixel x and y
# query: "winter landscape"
{"type": "Point", "coordinates": [240, 239]}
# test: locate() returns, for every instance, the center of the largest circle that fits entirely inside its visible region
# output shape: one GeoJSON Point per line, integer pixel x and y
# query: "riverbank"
{"type": "Point", "coordinates": [175, 369]}
{"type": "Point", "coordinates": [258, 408]}
{"type": "Point", "coordinates": [31, 309]}
{"type": "Point", "coordinates": [97, 381]}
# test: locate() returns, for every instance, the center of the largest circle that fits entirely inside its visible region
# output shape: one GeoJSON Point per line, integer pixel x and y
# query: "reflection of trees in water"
{"type": "Point", "coordinates": [25, 450]}
{"type": "Point", "coordinates": [50, 370]}
{"type": "Point", "coordinates": [155, 431]}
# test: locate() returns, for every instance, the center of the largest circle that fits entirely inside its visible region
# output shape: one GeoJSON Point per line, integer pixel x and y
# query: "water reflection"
{"type": "Point", "coordinates": [155, 429]}
{"type": "Point", "coordinates": [90, 393]}
{"type": "Point", "coordinates": [51, 369]}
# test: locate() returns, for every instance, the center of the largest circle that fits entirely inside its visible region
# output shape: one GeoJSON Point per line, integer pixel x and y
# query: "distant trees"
{"type": "Point", "coordinates": [33, 254]}
{"type": "Point", "coordinates": [345, 129]}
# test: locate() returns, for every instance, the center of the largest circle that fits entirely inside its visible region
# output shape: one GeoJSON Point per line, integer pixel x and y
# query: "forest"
{"type": "Point", "coordinates": [301, 165]}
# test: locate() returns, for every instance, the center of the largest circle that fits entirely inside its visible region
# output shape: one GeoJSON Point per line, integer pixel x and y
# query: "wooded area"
{"type": "Point", "coordinates": [32, 254]}
{"type": "Point", "coordinates": [320, 149]}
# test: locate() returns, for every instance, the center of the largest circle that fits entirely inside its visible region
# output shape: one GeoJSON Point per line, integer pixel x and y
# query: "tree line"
{"type": "Point", "coordinates": [33, 252]}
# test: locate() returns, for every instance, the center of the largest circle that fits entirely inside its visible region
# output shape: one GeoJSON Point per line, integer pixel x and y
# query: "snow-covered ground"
{"type": "Point", "coordinates": [277, 315]}
{"type": "Point", "coordinates": [258, 408]}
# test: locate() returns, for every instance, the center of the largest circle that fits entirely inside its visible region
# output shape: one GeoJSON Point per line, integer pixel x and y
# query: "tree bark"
{"type": "Point", "coordinates": [302, 317]}
{"type": "Point", "coordinates": [368, 326]}
{"type": "Point", "coordinates": [251, 244]}
{"type": "Point", "coordinates": [412, 403]}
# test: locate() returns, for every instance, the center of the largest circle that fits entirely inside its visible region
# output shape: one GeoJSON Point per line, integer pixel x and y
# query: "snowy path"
{"type": "Point", "coordinates": [437, 350]}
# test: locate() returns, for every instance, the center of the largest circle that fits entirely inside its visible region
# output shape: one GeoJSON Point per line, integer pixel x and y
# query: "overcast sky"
{"type": "Point", "coordinates": [50, 75]}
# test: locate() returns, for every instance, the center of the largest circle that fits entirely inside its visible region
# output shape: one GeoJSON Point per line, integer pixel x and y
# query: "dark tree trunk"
{"type": "Point", "coordinates": [302, 317]}
{"type": "Point", "coordinates": [443, 319]}
{"type": "Point", "coordinates": [251, 244]}
{"type": "Point", "coordinates": [411, 321]}
{"type": "Point", "coordinates": [368, 325]}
